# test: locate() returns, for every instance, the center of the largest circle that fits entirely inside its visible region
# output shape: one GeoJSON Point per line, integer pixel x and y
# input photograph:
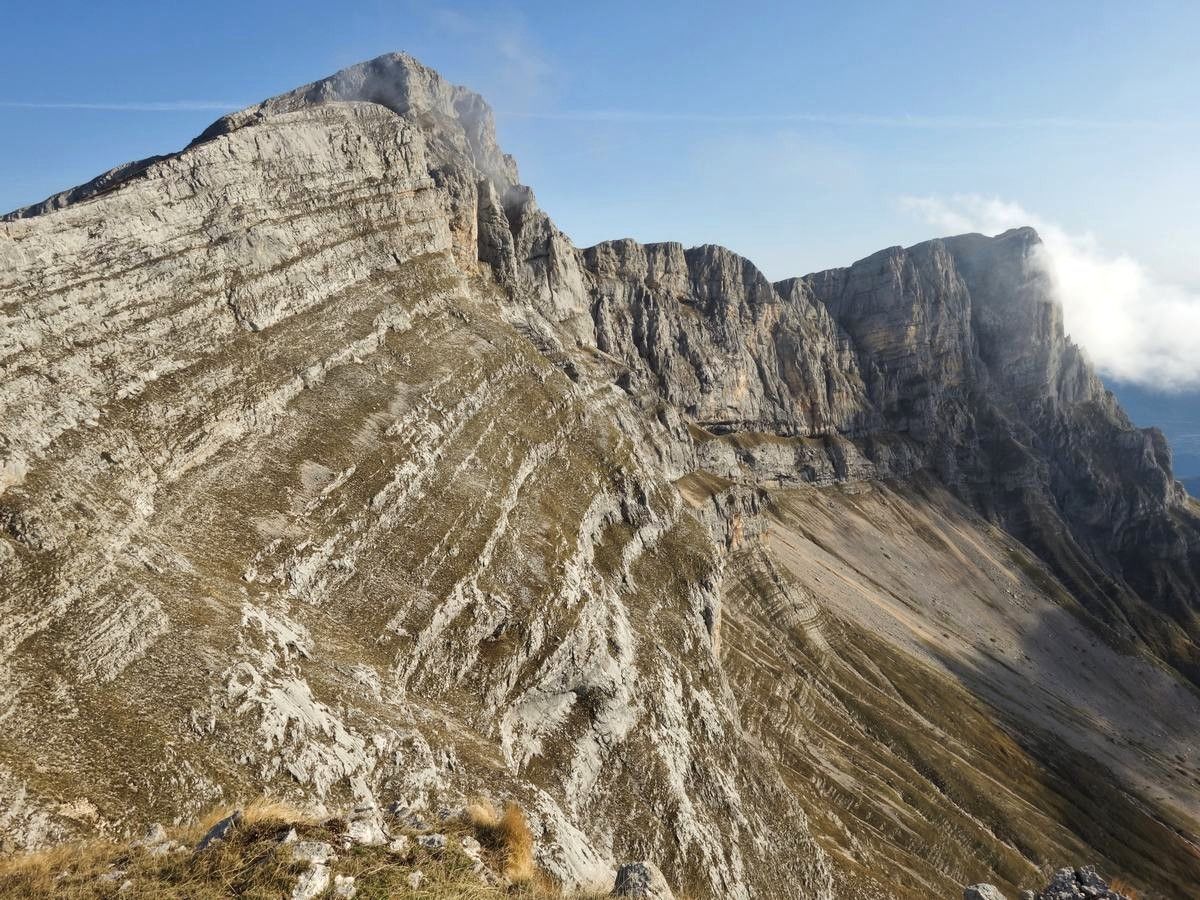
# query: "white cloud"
{"type": "Point", "coordinates": [1133, 326]}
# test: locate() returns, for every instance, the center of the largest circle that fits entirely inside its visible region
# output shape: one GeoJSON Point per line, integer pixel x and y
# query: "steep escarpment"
{"type": "Point", "coordinates": [949, 357]}
{"type": "Point", "coordinates": [705, 330]}
{"type": "Point", "coordinates": [331, 469]}
{"type": "Point", "coordinates": [964, 351]}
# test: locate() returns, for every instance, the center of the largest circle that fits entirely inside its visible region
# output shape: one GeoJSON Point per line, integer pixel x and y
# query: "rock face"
{"type": "Point", "coordinates": [704, 329]}
{"type": "Point", "coordinates": [964, 350]}
{"type": "Point", "coordinates": [642, 879]}
{"type": "Point", "coordinates": [1078, 884]}
{"type": "Point", "coordinates": [330, 467]}
{"type": "Point", "coordinates": [1067, 884]}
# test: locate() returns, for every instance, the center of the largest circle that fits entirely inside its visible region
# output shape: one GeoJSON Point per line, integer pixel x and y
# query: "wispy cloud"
{"type": "Point", "coordinates": [764, 165]}
{"type": "Point", "coordinates": [1135, 327]}
{"type": "Point", "coordinates": [849, 120]}
{"type": "Point", "coordinates": [516, 69]}
{"type": "Point", "coordinates": [130, 106]}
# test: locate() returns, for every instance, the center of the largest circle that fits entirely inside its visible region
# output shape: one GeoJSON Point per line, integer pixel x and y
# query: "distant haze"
{"type": "Point", "coordinates": [1178, 415]}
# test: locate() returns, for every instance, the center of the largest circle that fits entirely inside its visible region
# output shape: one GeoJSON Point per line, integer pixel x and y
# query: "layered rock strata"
{"type": "Point", "coordinates": [330, 467]}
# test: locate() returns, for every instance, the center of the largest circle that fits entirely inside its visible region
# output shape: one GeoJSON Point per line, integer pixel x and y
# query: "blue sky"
{"type": "Point", "coordinates": [802, 135]}
{"type": "Point", "coordinates": [787, 131]}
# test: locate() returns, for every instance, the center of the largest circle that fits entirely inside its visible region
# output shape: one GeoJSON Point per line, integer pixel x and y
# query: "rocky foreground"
{"type": "Point", "coordinates": [1067, 884]}
{"type": "Point", "coordinates": [331, 469]}
{"type": "Point", "coordinates": [272, 850]}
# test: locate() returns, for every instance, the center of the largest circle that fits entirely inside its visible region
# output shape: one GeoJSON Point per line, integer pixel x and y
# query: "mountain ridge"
{"type": "Point", "coordinates": [435, 502]}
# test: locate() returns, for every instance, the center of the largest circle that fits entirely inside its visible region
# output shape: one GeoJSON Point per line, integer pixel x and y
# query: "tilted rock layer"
{"type": "Point", "coordinates": [330, 468]}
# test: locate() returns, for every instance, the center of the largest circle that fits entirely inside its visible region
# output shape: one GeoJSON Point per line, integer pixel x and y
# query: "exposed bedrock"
{"type": "Point", "coordinates": [331, 468]}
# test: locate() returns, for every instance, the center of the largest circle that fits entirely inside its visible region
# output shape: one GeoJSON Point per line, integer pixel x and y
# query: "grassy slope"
{"type": "Point", "coordinates": [255, 863]}
{"type": "Point", "coordinates": [919, 778]}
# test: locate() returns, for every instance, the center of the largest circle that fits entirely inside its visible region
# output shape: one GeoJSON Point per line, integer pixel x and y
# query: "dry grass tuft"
{"type": "Point", "coordinates": [36, 873]}
{"type": "Point", "coordinates": [507, 834]}
{"type": "Point", "coordinates": [261, 812]}
{"type": "Point", "coordinates": [272, 810]}
{"type": "Point", "coordinates": [481, 815]}
{"type": "Point", "coordinates": [251, 862]}
{"type": "Point", "coordinates": [240, 867]}
{"type": "Point", "coordinates": [1121, 886]}
{"type": "Point", "coordinates": [518, 842]}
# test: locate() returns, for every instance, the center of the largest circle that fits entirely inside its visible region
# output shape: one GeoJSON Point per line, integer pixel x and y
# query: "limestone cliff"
{"type": "Point", "coordinates": [965, 352]}
{"type": "Point", "coordinates": [330, 467]}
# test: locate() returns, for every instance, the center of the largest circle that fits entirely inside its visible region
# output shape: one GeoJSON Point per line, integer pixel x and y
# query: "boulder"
{"type": "Point", "coordinates": [982, 892]}
{"type": "Point", "coordinates": [155, 841]}
{"type": "Point", "coordinates": [312, 883]}
{"type": "Point", "coordinates": [367, 832]}
{"type": "Point", "coordinates": [315, 852]}
{"type": "Point", "coordinates": [642, 879]}
{"type": "Point", "coordinates": [1078, 884]}
{"type": "Point", "coordinates": [221, 830]}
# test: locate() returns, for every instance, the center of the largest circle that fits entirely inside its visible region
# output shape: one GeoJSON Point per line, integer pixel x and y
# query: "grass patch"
{"type": "Point", "coordinates": [255, 862]}
{"type": "Point", "coordinates": [506, 834]}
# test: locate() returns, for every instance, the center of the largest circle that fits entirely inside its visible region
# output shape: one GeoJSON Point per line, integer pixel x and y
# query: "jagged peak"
{"type": "Point", "coordinates": [702, 264]}
{"type": "Point", "coordinates": [1022, 237]}
{"type": "Point", "coordinates": [1026, 232]}
{"type": "Point", "coordinates": [396, 81]}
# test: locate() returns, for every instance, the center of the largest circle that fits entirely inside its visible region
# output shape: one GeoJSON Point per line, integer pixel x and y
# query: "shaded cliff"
{"type": "Point", "coordinates": [965, 353]}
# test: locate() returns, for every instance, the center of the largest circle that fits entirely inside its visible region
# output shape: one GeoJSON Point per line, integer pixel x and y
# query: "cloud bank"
{"type": "Point", "coordinates": [1134, 327]}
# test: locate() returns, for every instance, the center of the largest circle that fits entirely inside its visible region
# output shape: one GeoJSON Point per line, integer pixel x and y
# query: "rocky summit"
{"type": "Point", "coordinates": [332, 471]}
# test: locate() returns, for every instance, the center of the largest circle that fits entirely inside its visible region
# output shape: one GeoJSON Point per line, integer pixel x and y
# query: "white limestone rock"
{"type": "Point", "coordinates": [982, 892]}
{"type": "Point", "coordinates": [642, 879]}
{"type": "Point", "coordinates": [316, 852]}
{"type": "Point", "coordinates": [312, 882]}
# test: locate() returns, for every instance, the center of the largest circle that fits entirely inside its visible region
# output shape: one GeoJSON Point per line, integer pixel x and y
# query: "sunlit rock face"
{"type": "Point", "coordinates": [330, 468]}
